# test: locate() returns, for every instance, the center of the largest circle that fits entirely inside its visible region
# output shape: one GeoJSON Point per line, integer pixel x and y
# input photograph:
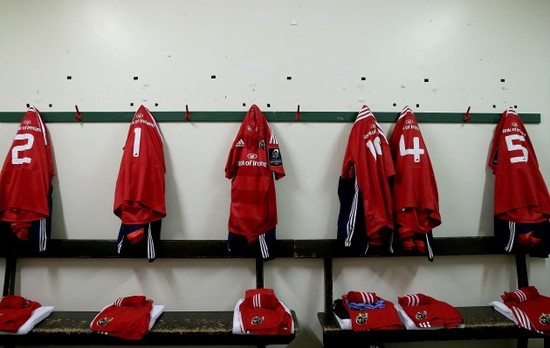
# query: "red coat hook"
{"type": "Point", "coordinates": [78, 115]}
{"type": "Point", "coordinates": [298, 116]}
{"type": "Point", "coordinates": [187, 114]}
{"type": "Point", "coordinates": [467, 115]}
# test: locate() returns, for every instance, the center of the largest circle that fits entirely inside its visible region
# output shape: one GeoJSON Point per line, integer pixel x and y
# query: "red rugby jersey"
{"type": "Point", "coordinates": [140, 186]}
{"type": "Point", "coordinates": [26, 177]}
{"type": "Point", "coordinates": [520, 193]}
{"type": "Point", "coordinates": [368, 159]}
{"type": "Point", "coordinates": [253, 162]}
{"type": "Point", "coordinates": [414, 188]}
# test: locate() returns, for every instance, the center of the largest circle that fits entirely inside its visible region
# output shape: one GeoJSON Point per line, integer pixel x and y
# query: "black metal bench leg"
{"type": "Point", "coordinates": [522, 342]}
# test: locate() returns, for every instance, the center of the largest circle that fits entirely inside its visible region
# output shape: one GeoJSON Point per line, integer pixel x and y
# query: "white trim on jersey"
{"type": "Point", "coordinates": [39, 118]}
{"type": "Point", "coordinates": [118, 301]}
{"type": "Point", "coordinates": [150, 244]}
{"type": "Point", "coordinates": [256, 301]}
{"type": "Point", "coordinates": [263, 246]}
{"type": "Point", "coordinates": [512, 229]}
{"type": "Point", "coordinates": [364, 113]}
{"type": "Point", "coordinates": [429, 246]}
{"type": "Point", "coordinates": [523, 319]}
{"type": "Point", "coordinates": [521, 295]}
{"type": "Point", "coordinates": [42, 235]}
{"type": "Point", "coordinates": [350, 226]}
{"type": "Point", "coordinates": [413, 300]}
{"type": "Point", "coordinates": [273, 137]}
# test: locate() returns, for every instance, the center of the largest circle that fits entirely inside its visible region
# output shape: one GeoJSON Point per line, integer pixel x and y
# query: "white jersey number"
{"type": "Point", "coordinates": [375, 147]}
{"type": "Point", "coordinates": [16, 150]}
{"type": "Point", "coordinates": [416, 151]}
{"type": "Point", "coordinates": [514, 147]}
{"type": "Point", "coordinates": [137, 141]}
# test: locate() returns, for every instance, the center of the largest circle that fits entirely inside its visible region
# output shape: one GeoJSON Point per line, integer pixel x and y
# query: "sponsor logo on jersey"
{"type": "Point", "coordinates": [409, 121]}
{"type": "Point", "coordinates": [514, 124]}
{"type": "Point", "coordinates": [251, 163]}
{"type": "Point", "coordinates": [251, 156]}
{"type": "Point", "coordinates": [257, 320]}
{"type": "Point", "coordinates": [140, 115]}
{"type": "Point", "coordinates": [27, 122]}
{"type": "Point", "coordinates": [142, 121]}
{"type": "Point", "coordinates": [369, 133]}
{"type": "Point", "coordinates": [104, 321]}
{"type": "Point", "coordinates": [514, 130]}
{"type": "Point", "coordinates": [275, 157]}
{"type": "Point", "coordinates": [362, 319]}
{"type": "Point", "coordinates": [544, 319]}
{"type": "Point", "coordinates": [421, 315]}
{"type": "Point", "coordinates": [240, 143]}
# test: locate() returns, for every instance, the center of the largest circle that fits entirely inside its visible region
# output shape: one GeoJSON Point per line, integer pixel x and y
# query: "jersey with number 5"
{"type": "Point", "coordinates": [414, 189]}
{"type": "Point", "coordinates": [520, 192]}
{"type": "Point", "coordinates": [140, 186]}
{"type": "Point", "coordinates": [26, 177]}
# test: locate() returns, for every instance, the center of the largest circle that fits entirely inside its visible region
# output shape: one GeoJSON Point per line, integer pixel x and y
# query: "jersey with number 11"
{"type": "Point", "coordinates": [27, 173]}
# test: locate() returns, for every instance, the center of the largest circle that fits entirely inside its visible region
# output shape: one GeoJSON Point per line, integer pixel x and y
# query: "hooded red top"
{"type": "Point", "coordinates": [253, 162]}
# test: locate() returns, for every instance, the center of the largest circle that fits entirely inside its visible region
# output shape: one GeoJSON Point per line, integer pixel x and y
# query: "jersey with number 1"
{"type": "Point", "coordinates": [140, 186]}
{"type": "Point", "coordinates": [26, 177]}
{"type": "Point", "coordinates": [520, 192]}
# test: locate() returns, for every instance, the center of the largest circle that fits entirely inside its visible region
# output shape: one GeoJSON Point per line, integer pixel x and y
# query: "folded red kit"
{"type": "Point", "coordinates": [263, 314]}
{"type": "Point", "coordinates": [367, 311]}
{"type": "Point", "coordinates": [531, 309]}
{"type": "Point", "coordinates": [428, 312]}
{"type": "Point", "coordinates": [127, 318]}
{"type": "Point", "coordinates": [15, 311]}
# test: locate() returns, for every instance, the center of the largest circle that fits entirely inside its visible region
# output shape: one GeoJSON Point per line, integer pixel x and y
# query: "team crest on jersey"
{"type": "Point", "coordinates": [544, 319]}
{"type": "Point", "coordinates": [262, 144]}
{"type": "Point", "coordinates": [104, 321]}
{"type": "Point", "coordinates": [275, 157]}
{"type": "Point", "coordinates": [421, 315]}
{"type": "Point", "coordinates": [257, 320]}
{"type": "Point", "coordinates": [240, 143]}
{"type": "Point", "coordinates": [362, 319]}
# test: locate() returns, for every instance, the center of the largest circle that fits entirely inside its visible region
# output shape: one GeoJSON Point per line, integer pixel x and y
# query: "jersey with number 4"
{"type": "Point", "coordinates": [140, 186]}
{"type": "Point", "coordinates": [414, 189]}
{"type": "Point", "coordinates": [26, 177]}
{"type": "Point", "coordinates": [520, 192]}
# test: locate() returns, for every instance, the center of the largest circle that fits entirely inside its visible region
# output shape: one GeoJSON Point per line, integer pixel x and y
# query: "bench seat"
{"type": "Point", "coordinates": [171, 328]}
{"type": "Point", "coordinates": [481, 322]}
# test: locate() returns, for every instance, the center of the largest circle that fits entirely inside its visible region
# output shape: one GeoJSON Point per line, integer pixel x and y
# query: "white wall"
{"type": "Point", "coordinates": [464, 48]}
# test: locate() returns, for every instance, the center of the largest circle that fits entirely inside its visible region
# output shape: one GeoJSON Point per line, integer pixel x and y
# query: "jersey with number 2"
{"type": "Point", "coordinates": [26, 177]}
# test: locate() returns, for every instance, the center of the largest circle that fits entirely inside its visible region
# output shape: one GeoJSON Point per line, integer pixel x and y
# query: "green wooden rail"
{"type": "Point", "coordinates": [272, 116]}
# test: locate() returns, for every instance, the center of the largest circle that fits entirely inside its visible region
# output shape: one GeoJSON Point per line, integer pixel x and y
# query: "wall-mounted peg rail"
{"type": "Point", "coordinates": [272, 116]}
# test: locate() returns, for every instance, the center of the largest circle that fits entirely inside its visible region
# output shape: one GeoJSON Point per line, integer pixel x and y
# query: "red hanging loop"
{"type": "Point", "coordinates": [467, 115]}
{"type": "Point", "coordinates": [187, 113]}
{"type": "Point", "coordinates": [78, 115]}
{"type": "Point", "coordinates": [298, 116]}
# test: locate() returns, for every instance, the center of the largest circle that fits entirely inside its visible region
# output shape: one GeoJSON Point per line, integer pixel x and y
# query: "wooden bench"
{"type": "Point", "coordinates": [172, 328]}
{"type": "Point", "coordinates": [482, 322]}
